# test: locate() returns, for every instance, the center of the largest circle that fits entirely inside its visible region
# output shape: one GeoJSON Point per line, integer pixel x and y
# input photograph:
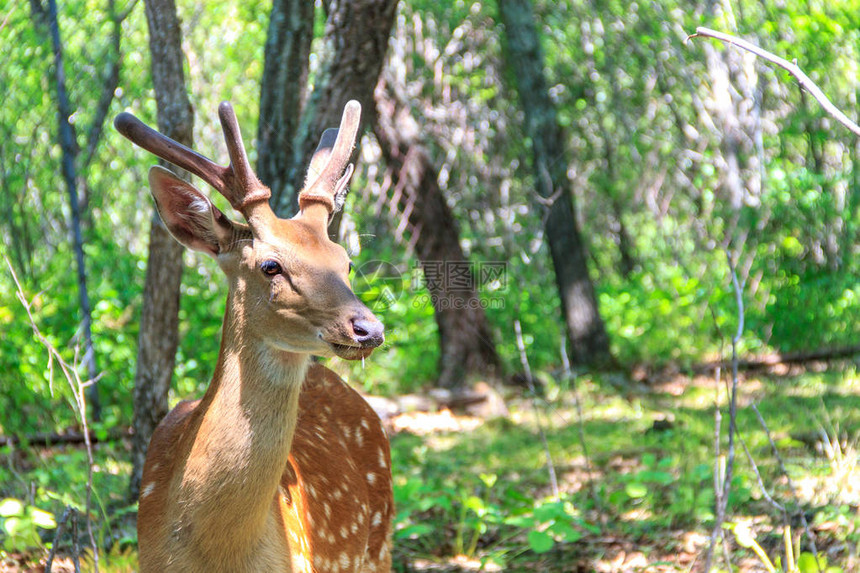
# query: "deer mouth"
{"type": "Point", "coordinates": [348, 352]}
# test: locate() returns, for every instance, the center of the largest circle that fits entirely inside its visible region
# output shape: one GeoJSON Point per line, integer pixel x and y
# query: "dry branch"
{"type": "Point", "coordinates": [524, 359]}
{"type": "Point", "coordinates": [78, 387]}
{"type": "Point", "coordinates": [790, 67]}
{"type": "Point", "coordinates": [53, 438]}
{"type": "Point", "coordinates": [777, 359]}
{"type": "Point", "coordinates": [68, 513]}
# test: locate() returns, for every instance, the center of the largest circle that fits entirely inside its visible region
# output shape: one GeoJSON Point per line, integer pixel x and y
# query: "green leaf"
{"type": "Point", "coordinates": [744, 535]}
{"type": "Point", "coordinates": [565, 531]}
{"type": "Point", "coordinates": [42, 518]}
{"type": "Point", "coordinates": [806, 563]}
{"type": "Point", "coordinates": [520, 521]}
{"type": "Point", "coordinates": [618, 497]}
{"type": "Point", "coordinates": [489, 479]}
{"type": "Point", "coordinates": [413, 531]}
{"type": "Point", "coordinates": [550, 510]}
{"type": "Point", "coordinates": [13, 525]}
{"type": "Point", "coordinates": [476, 504]}
{"type": "Point", "coordinates": [636, 490]}
{"type": "Point", "coordinates": [540, 541]}
{"type": "Point", "coordinates": [11, 506]}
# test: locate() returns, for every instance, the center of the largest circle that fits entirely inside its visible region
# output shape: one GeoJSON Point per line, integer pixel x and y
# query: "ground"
{"type": "Point", "coordinates": [635, 475]}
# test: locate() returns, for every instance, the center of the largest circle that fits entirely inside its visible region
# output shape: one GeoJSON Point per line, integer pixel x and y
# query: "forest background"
{"type": "Point", "coordinates": [712, 205]}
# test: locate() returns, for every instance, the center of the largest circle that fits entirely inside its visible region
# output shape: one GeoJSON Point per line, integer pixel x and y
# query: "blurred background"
{"type": "Point", "coordinates": [550, 198]}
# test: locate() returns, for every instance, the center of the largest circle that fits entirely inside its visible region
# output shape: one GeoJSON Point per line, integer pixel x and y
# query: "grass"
{"type": "Point", "coordinates": [651, 488]}
{"type": "Point", "coordinates": [642, 500]}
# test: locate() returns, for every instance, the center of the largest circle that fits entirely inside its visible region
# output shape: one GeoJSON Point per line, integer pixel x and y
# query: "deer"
{"type": "Point", "coordinates": [280, 466]}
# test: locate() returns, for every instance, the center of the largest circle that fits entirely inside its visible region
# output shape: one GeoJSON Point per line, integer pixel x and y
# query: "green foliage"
{"type": "Point", "coordinates": [676, 494]}
{"type": "Point", "coordinates": [675, 306]}
{"type": "Point", "coordinates": [21, 523]}
{"type": "Point", "coordinates": [437, 514]}
{"type": "Point", "coordinates": [804, 563]}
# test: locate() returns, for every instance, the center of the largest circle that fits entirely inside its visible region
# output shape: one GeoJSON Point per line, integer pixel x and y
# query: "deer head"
{"type": "Point", "coordinates": [289, 282]}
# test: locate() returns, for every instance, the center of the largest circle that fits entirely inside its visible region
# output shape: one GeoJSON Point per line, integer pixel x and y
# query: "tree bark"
{"type": "Point", "coordinates": [589, 341]}
{"type": "Point", "coordinates": [357, 33]}
{"type": "Point", "coordinates": [69, 146]}
{"type": "Point", "coordinates": [465, 338]}
{"type": "Point", "coordinates": [285, 77]}
{"type": "Point", "coordinates": [159, 322]}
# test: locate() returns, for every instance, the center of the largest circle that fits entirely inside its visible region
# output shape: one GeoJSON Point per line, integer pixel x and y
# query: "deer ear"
{"type": "Point", "coordinates": [190, 216]}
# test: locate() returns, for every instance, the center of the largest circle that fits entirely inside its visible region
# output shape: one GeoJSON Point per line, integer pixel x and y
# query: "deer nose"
{"type": "Point", "coordinates": [368, 332]}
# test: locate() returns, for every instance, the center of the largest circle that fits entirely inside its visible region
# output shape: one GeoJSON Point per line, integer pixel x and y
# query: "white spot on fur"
{"type": "Point", "coordinates": [302, 562]}
{"type": "Point", "coordinates": [344, 560]}
{"type": "Point", "coordinates": [377, 519]}
{"type": "Point", "coordinates": [147, 489]}
{"type": "Point", "coordinates": [371, 477]}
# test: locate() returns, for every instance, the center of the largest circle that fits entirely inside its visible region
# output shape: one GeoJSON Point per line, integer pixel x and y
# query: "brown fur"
{"type": "Point", "coordinates": [325, 516]}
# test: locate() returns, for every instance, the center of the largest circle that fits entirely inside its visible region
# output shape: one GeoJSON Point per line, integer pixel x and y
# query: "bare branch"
{"type": "Point", "coordinates": [70, 372]}
{"type": "Point", "coordinates": [568, 375]}
{"type": "Point", "coordinates": [722, 490]}
{"type": "Point", "coordinates": [111, 82]}
{"type": "Point", "coordinates": [810, 534]}
{"type": "Point", "coordinates": [61, 528]}
{"type": "Point", "coordinates": [524, 359]}
{"type": "Point", "coordinates": [790, 67]}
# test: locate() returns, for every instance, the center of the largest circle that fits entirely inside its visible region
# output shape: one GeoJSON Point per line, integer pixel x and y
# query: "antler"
{"type": "Point", "coordinates": [330, 170]}
{"type": "Point", "coordinates": [237, 182]}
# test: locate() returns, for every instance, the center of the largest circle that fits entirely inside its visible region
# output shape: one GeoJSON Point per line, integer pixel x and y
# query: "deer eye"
{"type": "Point", "coordinates": [270, 268]}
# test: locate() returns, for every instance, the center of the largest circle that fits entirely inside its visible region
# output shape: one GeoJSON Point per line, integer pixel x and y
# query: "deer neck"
{"type": "Point", "coordinates": [246, 427]}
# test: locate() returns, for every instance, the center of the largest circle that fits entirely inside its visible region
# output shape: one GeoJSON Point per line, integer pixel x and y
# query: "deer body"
{"type": "Point", "coordinates": [280, 466]}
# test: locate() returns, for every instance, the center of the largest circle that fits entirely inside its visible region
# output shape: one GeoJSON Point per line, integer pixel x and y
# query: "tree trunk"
{"type": "Point", "coordinates": [589, 341]}
{"type": "Point", "coordinates": [69, 146]}
{"type": "Point", "coordinates": [285, 76]}
{"type": "Point", "coordinates": [357, 33]}
{"type": "Point", "coordinates": [465, 339]}
{"type": "Point", "coordinates": [159, 322]}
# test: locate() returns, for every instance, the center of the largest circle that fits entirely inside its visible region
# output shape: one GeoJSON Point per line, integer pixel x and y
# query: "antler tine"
{"type": "Point", "coordinates": [249, 190]}
{"type": "Point", "coordinates": [321, 156]}
{"type": "Point", "coordinates": [330, 170]}
{"type": "Point", "coordinates": [159, 144]}
{"type": "Point", "coordinates": [344, 143]}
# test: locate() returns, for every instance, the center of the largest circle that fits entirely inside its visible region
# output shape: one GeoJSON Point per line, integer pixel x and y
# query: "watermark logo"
{"type": "Point", "coordinates": [378, 284]}
{"type": "Point", "coordinates": [461, 276]}
{"type": "Point", "coordinates": [459, 285]}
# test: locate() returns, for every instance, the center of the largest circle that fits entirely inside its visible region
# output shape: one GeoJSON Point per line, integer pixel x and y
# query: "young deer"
{"type": "Point", "coordinates": [280, 466]}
